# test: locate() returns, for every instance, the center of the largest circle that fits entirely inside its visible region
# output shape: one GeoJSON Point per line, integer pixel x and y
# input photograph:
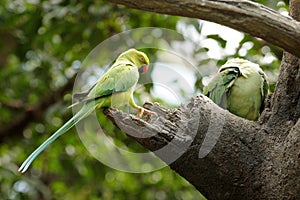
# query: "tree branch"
{"type": "Point", "coordinates": [215, 150]}
{"type": "Point", "coordinates": [222, 155]}
{"type": "Point", "coordinates": [285, 102]}
{"type": "Point", "coordinates": [34, 113]}
{"type": "Point", "coordinates": [242, 15]}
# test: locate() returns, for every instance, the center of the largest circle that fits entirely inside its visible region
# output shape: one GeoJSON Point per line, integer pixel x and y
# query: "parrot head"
{"type": "Point", "coordinates": [243, 66]}
{"type": "Point", "coordinates": [138, 58]}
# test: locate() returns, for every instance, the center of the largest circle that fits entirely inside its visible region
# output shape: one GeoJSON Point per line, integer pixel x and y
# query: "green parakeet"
{"type": "Point", "coordinates": [239, 86]}
{"type": "Point", "coordinates": [115, 88]}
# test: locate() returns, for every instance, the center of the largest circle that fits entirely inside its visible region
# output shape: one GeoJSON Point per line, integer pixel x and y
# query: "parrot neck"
{"type": "Point", "coordinates": [123, 61]}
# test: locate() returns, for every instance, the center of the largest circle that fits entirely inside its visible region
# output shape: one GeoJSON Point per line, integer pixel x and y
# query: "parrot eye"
{"type": "Point", "coordinates": [142, 59]}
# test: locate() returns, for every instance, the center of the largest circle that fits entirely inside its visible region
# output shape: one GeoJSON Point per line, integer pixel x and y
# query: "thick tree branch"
{"type": "Point", "coordinates": [280, 170]}
{"type": "Point", "coordinates": [216, 151]}
{"type": "Point", "coordinates": [222, 155]}
{"type": "Point", "coordinates": [281, 166]}
{"type": "Point", "coordinates": [242, 15]}
{"type": "Point", "coordinates": [285, 102]}
{"type": "Point", "coordinates": [286, 99]}
{"type": "Point", "coordinates": [34, 113]}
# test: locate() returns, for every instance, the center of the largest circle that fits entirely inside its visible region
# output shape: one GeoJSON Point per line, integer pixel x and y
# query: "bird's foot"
{"type": "Point", "coordinates": [142, 111]}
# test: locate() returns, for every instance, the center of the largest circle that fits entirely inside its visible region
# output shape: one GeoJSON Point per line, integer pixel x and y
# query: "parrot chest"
{"type": "Point", "coordinates": [244, 97]}
{"type": "Point", "coordinates": [121, 99]}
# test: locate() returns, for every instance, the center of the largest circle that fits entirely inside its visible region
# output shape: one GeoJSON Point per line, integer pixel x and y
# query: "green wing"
{"type": "Point", "coordinates": [220, 84]}
{"type": "Point", "coordinates": [119, 78]}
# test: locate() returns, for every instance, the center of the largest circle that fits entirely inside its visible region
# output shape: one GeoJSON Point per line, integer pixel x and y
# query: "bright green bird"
{"type": "Point", "coordinates": [115, 88]}
{"type": "Point", "coordinates": [239, 86]}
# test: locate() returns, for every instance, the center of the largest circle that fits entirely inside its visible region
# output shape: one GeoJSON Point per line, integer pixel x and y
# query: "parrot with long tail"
{"type": "Point", "coordinates": [113, 89]}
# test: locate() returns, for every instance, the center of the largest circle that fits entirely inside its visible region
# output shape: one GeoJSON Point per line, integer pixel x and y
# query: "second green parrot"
{"type": "Point", "coordinates": [115, 88]}
{"type": "Point", "coordinates": [239, 86]}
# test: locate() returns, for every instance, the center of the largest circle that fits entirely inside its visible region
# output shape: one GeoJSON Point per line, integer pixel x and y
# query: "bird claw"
{"type": "Point", "coordinates": [142, 110]}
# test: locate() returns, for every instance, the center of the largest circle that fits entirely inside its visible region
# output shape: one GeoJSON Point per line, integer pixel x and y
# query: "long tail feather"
{"type": "Point", "coordinates": [85, 111]}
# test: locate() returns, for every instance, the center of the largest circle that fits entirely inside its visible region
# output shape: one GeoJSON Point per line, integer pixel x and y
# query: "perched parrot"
{"type": "Point", "coordinates": [113, 89]}
{"type": "Point", "coordinates": [240, 86]}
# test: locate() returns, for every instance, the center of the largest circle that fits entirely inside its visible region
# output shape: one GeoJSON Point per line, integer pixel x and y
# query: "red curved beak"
{"type": "Point", "coordinates": [143, 69]}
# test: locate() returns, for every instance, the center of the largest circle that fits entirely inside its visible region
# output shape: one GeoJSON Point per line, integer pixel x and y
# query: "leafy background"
{"type": "Point", "coordinates": [42, 45]}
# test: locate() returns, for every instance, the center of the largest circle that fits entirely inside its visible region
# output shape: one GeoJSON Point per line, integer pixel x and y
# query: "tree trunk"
{"type": "Point", "coordinates": [222, 155]}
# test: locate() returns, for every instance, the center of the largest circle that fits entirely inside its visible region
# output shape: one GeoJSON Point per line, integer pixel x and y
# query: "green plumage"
{"type": "Point", "coordinates": [114, 89]}
{"type": "Point", "coordinates": [239, 86]}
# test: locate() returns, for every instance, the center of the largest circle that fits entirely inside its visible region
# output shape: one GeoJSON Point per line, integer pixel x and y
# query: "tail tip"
{"type": "Point", "coordinates": [22, 169]}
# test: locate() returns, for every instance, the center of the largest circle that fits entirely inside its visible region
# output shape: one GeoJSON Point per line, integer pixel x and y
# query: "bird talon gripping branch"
{"type": "Point", "coordinates": [142, 111]}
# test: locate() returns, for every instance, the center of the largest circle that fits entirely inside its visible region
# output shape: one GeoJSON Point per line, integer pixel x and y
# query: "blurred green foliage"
{"type": "Point", "coordinates": [41, 47]}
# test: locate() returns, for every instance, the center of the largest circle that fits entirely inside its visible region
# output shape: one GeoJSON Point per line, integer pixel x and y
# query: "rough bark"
{"type": "Point", "coordinates": [227, 172]}
{"type": "Point", "coordinates": [246, 16]}
{"type": "Point", "coordinates": [286, 98]}
{"type": "Point", "coordinates": [281, 168]}
{"type": "Point", "coordinates": [222, 155]}
{"type": "Point", "coordinates": [244, 161]}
